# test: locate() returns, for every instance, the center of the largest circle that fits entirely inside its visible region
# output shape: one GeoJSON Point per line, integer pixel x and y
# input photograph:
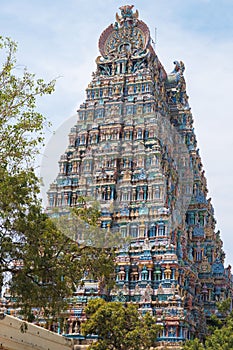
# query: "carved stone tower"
{"type": "Point", "coordinates": [134, 150]}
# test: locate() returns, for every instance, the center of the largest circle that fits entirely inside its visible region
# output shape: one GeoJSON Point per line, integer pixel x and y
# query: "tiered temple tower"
{"type": "Point", "coordinates": [134, 150]}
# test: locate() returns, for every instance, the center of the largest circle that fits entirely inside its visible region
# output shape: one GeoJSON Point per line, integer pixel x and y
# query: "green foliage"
{"type": "Point", "coordinates": [213, 323]}
{"type": "Point", "coordinates": [96, 245]}
{"type": "Point", "coordinates": [224, 307]}
{"type": "Point", "coordinates": [82, 224]}
{"type": "Point", "coordinates": [86, 212]}
{"type": "Point", "coordinates": [193, 345]}
{"type": "Point", "coordinates": [20, 136]}
{"type": "Point", "coordinates": [220, 331]}
{"type": "Point", "coordinates": [221, 339]}
{"type": "Point", "coordinates": [20, 123]}
{"type": "Point", "coordinates": [52, 265]}
{"type": "Point", "coordinates": [119, 327]}
{"type": "Point", "coordinates": [47, 265]}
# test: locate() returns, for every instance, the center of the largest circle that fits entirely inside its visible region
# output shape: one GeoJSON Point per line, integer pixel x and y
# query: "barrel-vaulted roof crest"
{"type": "Point", "coordinates": [127, 37]}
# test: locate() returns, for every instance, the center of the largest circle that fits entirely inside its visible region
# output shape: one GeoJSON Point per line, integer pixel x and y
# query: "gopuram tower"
{"type": "Point", "coordinates": [134, 150]}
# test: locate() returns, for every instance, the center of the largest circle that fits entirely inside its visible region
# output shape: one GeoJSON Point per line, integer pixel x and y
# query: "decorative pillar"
{"type": "Point", "coordinates": [127, 273]}
{"type": "Point", "coordinates": [181, 331]}
{"type": "Point", "coordinates": [70, 331]}
{"type": "Point", "coordinates": [162, 269]}
{"type": "Point", "coordinates": [150, 271]}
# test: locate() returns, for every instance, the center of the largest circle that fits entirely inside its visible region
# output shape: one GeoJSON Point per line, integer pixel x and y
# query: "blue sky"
{"type": "Point", "coordinates": [59, 39]}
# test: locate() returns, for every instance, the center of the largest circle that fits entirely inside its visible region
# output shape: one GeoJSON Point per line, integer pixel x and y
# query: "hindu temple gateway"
{"type": "Point", "coordinates": [134, 150]}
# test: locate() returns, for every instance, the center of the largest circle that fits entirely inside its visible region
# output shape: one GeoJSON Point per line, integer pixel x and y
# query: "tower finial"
{"type": "Point", "coordinates": [126, 13]}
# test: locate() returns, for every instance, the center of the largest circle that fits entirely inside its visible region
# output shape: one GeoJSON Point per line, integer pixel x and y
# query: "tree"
{"type": "Point", "coordinates": [96, 245]}
{"type": "Point", "coordinates": [20, 137]}
{"type": "Point", "coordinates": [119, 327]}
{"type": "Point", "coordinates": [220, 331]}
{"type": "Point", "coordinates": [47, 268]}
{"type": "Point", "coordinates": [221, 339]}
{"type": "Point", "coordinates": [193, 345]}
{"type": "Point", "coordinates": [21, 124]}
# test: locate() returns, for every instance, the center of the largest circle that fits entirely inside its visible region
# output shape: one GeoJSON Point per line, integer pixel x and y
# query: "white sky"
{"type": "Point", "coordinates": [59, 39]}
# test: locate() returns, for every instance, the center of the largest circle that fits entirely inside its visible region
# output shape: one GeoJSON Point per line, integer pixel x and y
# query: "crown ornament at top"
{"type": "Point", "coordinates": [128, 38]}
